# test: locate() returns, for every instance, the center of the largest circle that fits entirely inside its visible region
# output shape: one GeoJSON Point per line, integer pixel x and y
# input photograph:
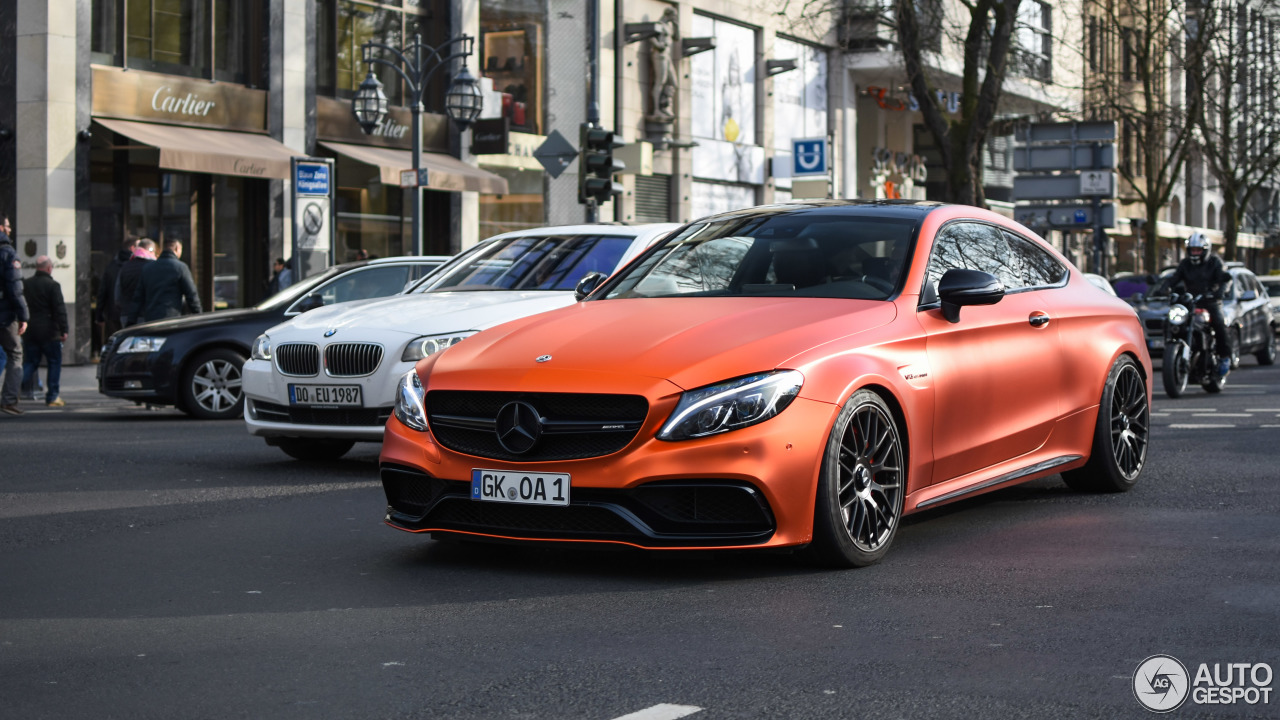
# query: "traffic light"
{"type": "Point", "coordinates": [597, 165]}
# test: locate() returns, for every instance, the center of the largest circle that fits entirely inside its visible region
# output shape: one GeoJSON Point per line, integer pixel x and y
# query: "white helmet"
{"type": "Point", "coordinates": [1197, 248]}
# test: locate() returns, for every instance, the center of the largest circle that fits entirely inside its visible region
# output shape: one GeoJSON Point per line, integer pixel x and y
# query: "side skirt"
{"type": "Point", "coordinates": [1019, 474]}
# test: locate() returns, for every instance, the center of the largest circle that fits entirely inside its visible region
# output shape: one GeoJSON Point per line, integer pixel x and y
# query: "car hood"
{"type": "Point", "coordinates": [189, 322]}
{"type": "Point", "coordinates": [422, 314]}
{"type": "Point", "coordinates": [689, 342]}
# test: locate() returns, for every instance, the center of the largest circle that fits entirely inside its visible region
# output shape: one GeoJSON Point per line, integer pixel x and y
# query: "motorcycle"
{"type": "Point", "coordinates": [1190, 353]}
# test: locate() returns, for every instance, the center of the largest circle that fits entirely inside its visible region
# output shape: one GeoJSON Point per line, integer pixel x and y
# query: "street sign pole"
{"type": "Point", "coordinates": [1099, 234]}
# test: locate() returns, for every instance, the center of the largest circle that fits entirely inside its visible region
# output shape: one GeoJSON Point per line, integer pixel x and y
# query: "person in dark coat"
{"type": "Point", "coordinates": [13, 321]}
{"type": "Point", "coordinates": [47, 330]}
{"type": "Point", "coordinates": [108, 311]}
{"type": "Point", "coordinates": [127, 281]}
{"type": "Point", "coordinates": [165, 285]}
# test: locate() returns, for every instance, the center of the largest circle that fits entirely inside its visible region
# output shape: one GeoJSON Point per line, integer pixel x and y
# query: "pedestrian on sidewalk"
{"type": "Point", "coordinates": [165, 286]}
{"type": "Point", "coordinates": [281, 278]}
{"type": "Point", "coordinates": [13, 320]}
{"type": "Point", "coordinates": [144, 251]}
{"type": "Point", "coordinates": [108, 312]}
{"type": "Point", "coordinates": [47, 331]}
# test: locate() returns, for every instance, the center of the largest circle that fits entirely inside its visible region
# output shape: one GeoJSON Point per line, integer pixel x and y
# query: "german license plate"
{"type": "Point", "coordinates": [338, 395]}
{"type": "Point", "coordinates": [1156, 343]}
{"type": "Point", "coordinates": [524, 488]}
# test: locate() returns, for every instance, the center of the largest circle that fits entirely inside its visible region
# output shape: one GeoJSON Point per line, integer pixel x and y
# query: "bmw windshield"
{"type": "Point", "coordinates": [776, 255]}
{"type": "Point", "coordinates": [529, 262]}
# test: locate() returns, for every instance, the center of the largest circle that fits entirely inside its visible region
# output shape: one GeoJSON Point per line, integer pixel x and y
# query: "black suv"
{"type": "Point", "coordinates": [194, 362]}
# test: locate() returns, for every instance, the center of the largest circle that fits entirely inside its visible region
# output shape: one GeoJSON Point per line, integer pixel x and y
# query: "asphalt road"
{"type": "Point", "coordinates": [153, 566]}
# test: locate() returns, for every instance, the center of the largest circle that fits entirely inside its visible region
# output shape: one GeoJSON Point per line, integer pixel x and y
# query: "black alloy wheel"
{"type": "Point", "coordinates": [1121, 435]}
{"type": "Point", "coordinates": [861, 486]}
{"type": "Point", "coordinates": [1175, 369]}
{"type": "Point", "coordinates": [1267, 354]}
{"type": "Point", "coordinates": [211, 385]}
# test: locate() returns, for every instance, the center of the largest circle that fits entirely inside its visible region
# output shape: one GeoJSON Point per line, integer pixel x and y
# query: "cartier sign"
{"type": "Point", "coordinates": [334, 121]}
{"type": "Point", "coordinates": [139, 95]}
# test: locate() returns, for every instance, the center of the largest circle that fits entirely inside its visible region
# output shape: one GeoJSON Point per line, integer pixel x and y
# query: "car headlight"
{"type": "Point", "coordinates": [732, 404]}
{"type": "Point", "coordinates": [261, 348]}
{"type": "Point", "coordinates": [427, 345]}
{"type": "Point", "coordinates": [409, 397]}
{"type": "Point", "coordinates": [1177, 315]}
{"type": "Point", "coordinates": [140, 344]}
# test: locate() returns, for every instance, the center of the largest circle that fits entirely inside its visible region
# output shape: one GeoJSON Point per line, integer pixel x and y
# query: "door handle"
{"type": "Point", "coordinates": [1038, 319]}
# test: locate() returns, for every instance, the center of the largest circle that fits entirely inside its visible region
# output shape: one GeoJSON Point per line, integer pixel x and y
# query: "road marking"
{"type": "Point", "coordinates": [1159, 414]}
{"type": "Point", "coordinates": [1198, 426]}
{"type": "Point", "coordinates": [1190, 410]}
{"type": "Point", "coordinates": [1263, 410]}
{"type": "Point", "coordinates": [1272, 426]}
{"type": "Point", "coordinates": [664, 711]}
{"type": "Point", "coordinates": [1223, 415]}
{"type": "Point", "coordinates": [37, 504]}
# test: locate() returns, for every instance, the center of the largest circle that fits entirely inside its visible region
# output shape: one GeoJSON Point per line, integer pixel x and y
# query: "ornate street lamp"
{"type": "Point", "coordinates": [416, 64]}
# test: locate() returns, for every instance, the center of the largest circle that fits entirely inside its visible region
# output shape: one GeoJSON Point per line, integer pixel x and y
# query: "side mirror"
{"type": "Point", "coordinates": [311, 302]}
{"type": "Point", "coordinates": [588, 285]}
{"type": "Point", "coordinates": [959, 287]}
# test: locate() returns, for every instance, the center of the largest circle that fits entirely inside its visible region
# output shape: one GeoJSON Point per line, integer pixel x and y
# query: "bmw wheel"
{"type": "Point", "coordinates": [211, 385]}
{"type": "Point", "coordinates": [1121, 435]}
{"type": "Point", "coordinates": [1175, 370]}
{"type": "Point", "coordinates": [861, 486]}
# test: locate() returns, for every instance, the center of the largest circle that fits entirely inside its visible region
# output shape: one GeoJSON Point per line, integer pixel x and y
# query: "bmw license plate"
{"type": "Point", "coordinates": [332, 395]}
{"type": "Point", "coordinates": [524, 488]}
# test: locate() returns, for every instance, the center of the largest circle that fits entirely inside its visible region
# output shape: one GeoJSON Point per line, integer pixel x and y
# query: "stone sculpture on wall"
{"type": "Point", "coordinates": [662, 60]}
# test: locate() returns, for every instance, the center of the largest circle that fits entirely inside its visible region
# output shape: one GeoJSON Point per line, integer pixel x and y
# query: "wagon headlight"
{"type": "Point", "coordinates": [409, 409]}
{"type": "Point", "coordinates": [140, 344]}
{"type": "Point", "coordinates": [732, 404]}
{"type": "Point", "coordinates": [261, 348]}
{"type": "Point", "coordinates": [1177, 315]}
{"type": "Point", "coordinates": [426, 345]}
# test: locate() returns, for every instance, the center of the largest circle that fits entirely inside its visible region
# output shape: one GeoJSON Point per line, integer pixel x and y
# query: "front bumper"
{"type": "Point", "coordinates": [269, 413]}
{"type": "Point", "coordinates": [748, 488]}
{"type": "Point", "coordinates": [145, 377]}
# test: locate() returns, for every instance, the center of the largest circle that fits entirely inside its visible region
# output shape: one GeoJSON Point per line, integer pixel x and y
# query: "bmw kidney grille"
{"type": "Point", "coordinates": [298, 359]}
{"type": "Point", "coordinates": [352, 359]}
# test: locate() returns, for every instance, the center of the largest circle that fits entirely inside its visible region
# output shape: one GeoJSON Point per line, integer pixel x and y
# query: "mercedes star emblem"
{"type": "Point", "coordinates": [518, 426]}
{"type": "Point", "coordinates": [542, 358]}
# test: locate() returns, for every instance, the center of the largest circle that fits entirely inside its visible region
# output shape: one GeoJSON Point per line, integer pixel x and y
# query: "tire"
{"type": "Point", "coordinates": [1233, 347]}
{"type": "Point", "coordinates": [211, 385]}
{"type": "Point", "coordinates": [1174, 371]}
{"type": "Point", "coordinates": [861, 486]}
{"type": "Point", "coordinates": [1267, 355]}
{"type": "Point", "coordinates": [314, 449]}
{"type": "Point", "coordinates": [1214, 383]}
{"type": "Point", "coordinates": [1121, 435]}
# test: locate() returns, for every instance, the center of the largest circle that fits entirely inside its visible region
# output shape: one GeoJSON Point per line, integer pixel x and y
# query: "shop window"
{"type": "Point", "coordinates": [174, 37]}
{"type": "Point", "coordinates": [511, 55]}
{"type": "Point", "coordinates": [343, 26]}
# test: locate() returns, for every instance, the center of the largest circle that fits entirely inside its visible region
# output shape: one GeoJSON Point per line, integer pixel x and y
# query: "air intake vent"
{"type": "Point", "coordinates": [352, 359]}
{"type": "Point", "coordinates": [298, 359]}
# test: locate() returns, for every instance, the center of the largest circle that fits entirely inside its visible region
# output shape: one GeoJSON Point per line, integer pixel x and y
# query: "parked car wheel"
{"type": "Point", "coordinates": [861, 486]}
{"type": "Point", "coordinates": [1233, 346]}
{"type": "Point", "coordinates": [314, 449]}
{"type": "Point", "coordinates": [1267, 355]}
{"type": "Point", "coordinates": [211, 385]}
{"type": "Point", "coordinates": [1174, 371]}
{"type": "Point", "coordinates": [1121, 435]}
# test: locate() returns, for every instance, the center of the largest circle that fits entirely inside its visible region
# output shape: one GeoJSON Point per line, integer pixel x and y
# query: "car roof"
{"type": "Point", "coordinates": [591, 229]}
{"type": "Point", "coordinates": [907, 209]}
{"type": "Point", "coordinates": [399, 259]}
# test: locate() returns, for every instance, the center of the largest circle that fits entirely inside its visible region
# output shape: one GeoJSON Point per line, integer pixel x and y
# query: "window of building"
{"type": "Point", "coordinates": [343, 26]}
{"type": "Point", "coordinates": [511, 55]}
{"type": "Point", "coordinates": [1033, 56]}
{"type": "Point", "coordinates": [215, 39]}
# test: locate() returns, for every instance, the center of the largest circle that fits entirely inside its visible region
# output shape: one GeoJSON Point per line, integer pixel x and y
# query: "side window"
{"type": "Point", "coordinates": [970, 246]}
{"type": "Point", "coordinates": [365, 283]}
{"type": "Point", "coordinates": [1032, 264]}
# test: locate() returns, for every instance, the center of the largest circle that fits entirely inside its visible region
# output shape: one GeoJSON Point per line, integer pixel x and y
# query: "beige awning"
{"type": "Point", "coordinates": [443, 171]}
{"type": "Point", "coordinates": [221, 152]}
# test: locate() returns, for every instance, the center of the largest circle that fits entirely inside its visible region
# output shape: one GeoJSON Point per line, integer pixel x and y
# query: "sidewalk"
{"type": "Point", "coordinates": [78, 388]}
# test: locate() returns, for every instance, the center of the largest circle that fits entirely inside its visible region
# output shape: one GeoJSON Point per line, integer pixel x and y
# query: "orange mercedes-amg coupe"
{"type": "Point", "coordinates": [785, 376]}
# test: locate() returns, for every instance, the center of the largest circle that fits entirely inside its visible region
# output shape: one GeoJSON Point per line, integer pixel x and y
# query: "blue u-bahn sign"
{"type": "Point", "coordinates": [809, 157]}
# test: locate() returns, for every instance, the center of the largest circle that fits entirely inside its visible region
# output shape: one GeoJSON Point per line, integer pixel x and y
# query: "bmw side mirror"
{"type": "Point", "coordinates": [311, 302]}
{"type": "Point", "coordinates": [959, 287]}
{"type": "Point", "coordinates": [588, 285]}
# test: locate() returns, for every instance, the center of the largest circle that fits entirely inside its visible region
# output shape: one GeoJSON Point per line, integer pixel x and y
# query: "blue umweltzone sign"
{"type": "Point", "coordinates": [312, 179]}
{"type": "Point", "coordinates": [808, 157]}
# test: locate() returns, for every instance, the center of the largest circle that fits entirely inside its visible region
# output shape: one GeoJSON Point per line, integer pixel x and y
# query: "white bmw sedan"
{"type": "Point", "coordinates": [316, 385]}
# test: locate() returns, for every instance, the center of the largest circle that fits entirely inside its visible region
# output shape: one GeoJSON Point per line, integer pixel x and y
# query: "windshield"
{"type": "Point", "coordinates": [297, 290]}
{"type": "Point", "coordinates": [530, 262]}
{"type": "Point", "coordinates": [782, 255]}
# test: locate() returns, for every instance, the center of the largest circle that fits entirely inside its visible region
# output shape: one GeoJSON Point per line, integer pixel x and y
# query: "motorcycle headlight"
{"type": "Point", "coordinates": [261, 348]}
{"type": "Point", "coordinates": [409, 396]}
{"type": "Point", "coordinates": [1177, 315]}
{"type": "Point", "coordinates": [140, 344]}
{"type": "Point", "coordinates": [427, 345]}
{"type": "Point", "coordinates": [732, 404]}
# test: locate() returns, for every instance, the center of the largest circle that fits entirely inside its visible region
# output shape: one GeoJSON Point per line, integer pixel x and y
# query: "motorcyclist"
{"type": "Point", "coordinates": [1202, 273]}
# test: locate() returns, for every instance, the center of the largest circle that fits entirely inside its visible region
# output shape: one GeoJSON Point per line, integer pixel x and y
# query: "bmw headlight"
{"type": "Point", "coordinates": [427, 345]}
{"type": "Point", "coordinates": [1177, 315]}
{"type": "Point", "coordinates": [409, 396]}
{"type": "Point", "coordinates": [261, 348]}
{"type": "Point", "coordinates": [140, 344]}
{"type": "Point", "coordinates": [732, 404]}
